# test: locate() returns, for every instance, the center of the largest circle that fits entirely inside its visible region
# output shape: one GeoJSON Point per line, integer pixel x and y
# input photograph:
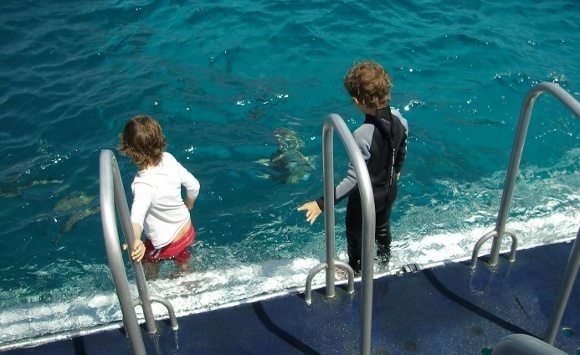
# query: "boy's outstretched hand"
{"type": "Point", "coordinates": [312, 211]}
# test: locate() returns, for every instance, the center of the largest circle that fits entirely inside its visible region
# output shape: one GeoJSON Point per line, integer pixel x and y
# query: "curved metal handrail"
{"type": "Point", "coordinates": [112, 194]}
{"type": "Point", "coordinates": [335, 122]}
{"type": "Point", "coordinates": [565, 290]}
{"type": "Point", "coordinates": [113, 249]}
{"type": "Point", "coordinates": [517, 344]}
{"type": "Point", "coordinates": [518, 146]}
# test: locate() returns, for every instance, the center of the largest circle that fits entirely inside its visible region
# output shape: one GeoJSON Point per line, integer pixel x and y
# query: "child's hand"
{"type": "Point", "coordinates": [138, 250]}
{"type": "Point", "coordinates": [312, 211]}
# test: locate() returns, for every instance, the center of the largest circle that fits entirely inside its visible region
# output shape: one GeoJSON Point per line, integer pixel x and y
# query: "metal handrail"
{"type": "Point", "coordinates": [512, 172]}
{"type": "Point", "coordinates": [332, 122]}
{"type": "Point", "coordinates": [565, 290]}
{"type": "Point", "coordinates": [112, 246]}
{"type": "Point", "coordinates": [112, 197]}
{"type": "Point", "coordinates": [519, 344]}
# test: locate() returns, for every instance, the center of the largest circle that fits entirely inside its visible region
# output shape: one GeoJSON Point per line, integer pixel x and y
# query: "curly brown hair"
{"type": "Point", "coordinates": [369, 83]}
{"type": "Point", "coordinates": [142, 140]}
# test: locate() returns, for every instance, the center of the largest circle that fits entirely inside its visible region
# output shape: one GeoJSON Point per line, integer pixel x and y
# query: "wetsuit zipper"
{"type": "Point", "coordinates": [392, 169]}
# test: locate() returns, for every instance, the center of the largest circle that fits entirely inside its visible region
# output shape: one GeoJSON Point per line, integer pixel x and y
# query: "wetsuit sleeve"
{"type": "Point", "coordinates": [142, 199]}
{"type": "Point", "coordinates": [402, 151]}
{"type": "Point", "coordinates": [363, 138]}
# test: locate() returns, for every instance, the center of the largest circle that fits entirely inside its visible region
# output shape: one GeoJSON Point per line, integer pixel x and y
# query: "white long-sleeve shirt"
{"type": "Point", "coordinates": [157, 203]}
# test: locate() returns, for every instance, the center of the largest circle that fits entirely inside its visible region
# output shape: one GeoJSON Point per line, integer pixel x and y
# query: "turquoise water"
{"type": "Point", "coordinates": [221, 78]}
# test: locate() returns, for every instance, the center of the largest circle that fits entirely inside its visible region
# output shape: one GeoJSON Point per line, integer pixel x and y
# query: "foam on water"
{"type": "Point", "coordinates": [208, 290]}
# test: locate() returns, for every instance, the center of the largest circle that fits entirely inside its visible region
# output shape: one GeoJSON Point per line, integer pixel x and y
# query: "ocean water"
{"type": "Point", "coordinates": [221, 78]}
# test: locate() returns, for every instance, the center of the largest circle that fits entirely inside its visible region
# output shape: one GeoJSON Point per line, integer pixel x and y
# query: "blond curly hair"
{"type": "Point", "coordinates": [369, 83]}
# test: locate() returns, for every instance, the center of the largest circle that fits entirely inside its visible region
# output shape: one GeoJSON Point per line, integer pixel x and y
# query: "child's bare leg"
{"type": "Point", "coordinates": [151, 270]}
{"type": "Point", "coordinates": [184, 267]}
{"type": "Point", "coordinates": [182, 262]}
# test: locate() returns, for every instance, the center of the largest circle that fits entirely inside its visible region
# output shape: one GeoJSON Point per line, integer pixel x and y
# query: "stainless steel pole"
{"type": "Point", "coordinates": [368, 228]}
{"type": "Point", "coordinates": [113, 250]}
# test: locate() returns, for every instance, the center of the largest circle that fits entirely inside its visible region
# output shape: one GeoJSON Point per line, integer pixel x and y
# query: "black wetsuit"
{"type": "Point", "coordinates": [382, 140]}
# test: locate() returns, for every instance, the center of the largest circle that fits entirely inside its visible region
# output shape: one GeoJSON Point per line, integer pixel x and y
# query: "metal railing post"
{"type": "Point", "coordinates": [515, 344]}
{"type": "Point", "coordinates": [566, 289]}
{"type": "Point", "coordinates": [368, 225]}
{"type": "Point", "coordinates": [515, 159]}
{"type": "Point", "coordinates": [112, 197]}
{"type": "Point", "coordinates": [113, 250]}
{"type": "Point", "coordinates": [127, 227]}
{"type": "Point", "coordinates": [335, 122]}
{"type": "Point", "coordinates": [329, 224]}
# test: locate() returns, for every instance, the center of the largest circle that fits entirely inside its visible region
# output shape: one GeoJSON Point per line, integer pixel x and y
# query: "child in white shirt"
{"type": "Point", "coordinates": [158, 207]}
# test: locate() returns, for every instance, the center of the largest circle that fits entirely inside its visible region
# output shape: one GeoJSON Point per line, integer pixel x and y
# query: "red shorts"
{"type": "Point", "coordinates": [179, 251]}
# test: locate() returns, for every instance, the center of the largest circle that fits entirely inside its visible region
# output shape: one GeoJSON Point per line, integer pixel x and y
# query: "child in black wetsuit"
{"type": "Point", "coordinates": [382, 139]}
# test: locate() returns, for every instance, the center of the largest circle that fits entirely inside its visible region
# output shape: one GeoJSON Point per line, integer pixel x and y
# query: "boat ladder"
{"type": "Point", "coordinates": [112, 197]}
{"type": "Point", "coordinates": [574, 260]}
{"type": "Point", "coordinates": [335, 122]}
{"type": "Point", "coordinates": [513, 168]}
